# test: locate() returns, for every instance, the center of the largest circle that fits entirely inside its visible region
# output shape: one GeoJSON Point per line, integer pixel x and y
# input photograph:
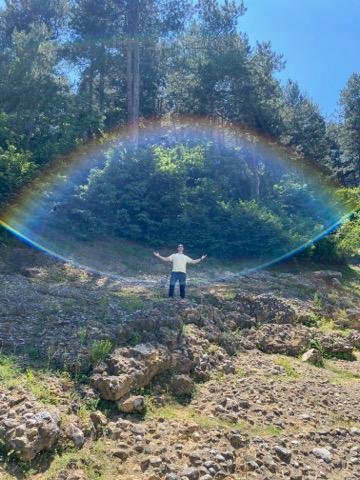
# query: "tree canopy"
{"type": "Point", "coordinates": [73, 70]}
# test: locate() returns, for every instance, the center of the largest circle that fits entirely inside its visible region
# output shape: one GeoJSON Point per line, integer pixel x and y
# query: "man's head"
{"type": "Point", "coordinates": [180, 248]}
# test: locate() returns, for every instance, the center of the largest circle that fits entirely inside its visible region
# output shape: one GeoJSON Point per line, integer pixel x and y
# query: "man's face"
{"type": "Point", "coordinates": [180, 248]}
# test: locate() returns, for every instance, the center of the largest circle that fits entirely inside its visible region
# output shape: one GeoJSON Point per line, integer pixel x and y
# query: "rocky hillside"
{"type": "Point", "coordinates": [101, 379]}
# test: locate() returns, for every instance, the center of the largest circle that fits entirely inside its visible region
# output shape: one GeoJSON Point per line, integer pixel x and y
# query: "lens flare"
{"type": "Point", "coordinates": [218, 189]}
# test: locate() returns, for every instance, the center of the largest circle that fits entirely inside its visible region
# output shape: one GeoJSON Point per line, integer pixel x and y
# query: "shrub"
{"type": "Point", "coordinates": [99, 350]}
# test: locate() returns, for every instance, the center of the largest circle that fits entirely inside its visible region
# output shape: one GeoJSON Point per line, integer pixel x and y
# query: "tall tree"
{"type": "Point", "coordinates": [350, 132]}
{"type": "Point", "coordinates": [20, 15]}
{"type": "Point", "coordinates": [156, 20]}
{"type": "Point", "coordinates": [133, 64]}
{"type": "Point", "coordinates": [304, 128]}
{"type": "Point", "coordinates": [35, 96]}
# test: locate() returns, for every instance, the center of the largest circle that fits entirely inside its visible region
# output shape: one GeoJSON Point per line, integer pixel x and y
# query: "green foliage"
{"type": "Point", "coordinates": [310, 320]}
{"type": "Point", "coordinates": [16, 168]}
{"type": "Point", "coordinates": [349, 137]}
{"type": "Point", "coordinates": [287, 365]}
{"type": "Point", "coordinates": [318, 301]}
{"type": "Point", "coordinates": [347, 239]}
{"type": "Point", "coordinates": [158, 195]}
{"type": "Point", "coordinates": [11, 375]}
{"type": "Point", "coordinates": [82, 334]}
{"type": "Point", "coordinates": [64, 80]}
{"type": "Point", "coordinates": [349, 356]}
{"type": "Point", "coordinates": [99, 350]}
{"type": "Point", "coordinates": [32, 86]}
{"type": "Point", "coordinates": [135, 338]}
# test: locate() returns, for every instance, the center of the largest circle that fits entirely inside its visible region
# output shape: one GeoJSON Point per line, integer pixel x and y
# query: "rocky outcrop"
{"type": "Point", "coordinates": [327, 276]}
{"type": "Point", "coordinates": [285, 339]}
{"type": "Point", "coordinates": [266, 308]}
{"type": "Point", "coordinates": [26, 427]}
{"type": "Point", "coordinates": [127, 368]}
{"type": "Point", "coordinates": [181, 385]}
{"type": "Point", "coordinates": [333, 344]}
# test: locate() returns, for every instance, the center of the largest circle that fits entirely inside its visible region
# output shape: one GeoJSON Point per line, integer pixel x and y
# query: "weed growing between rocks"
{"type": "Point", "coordinates": [286, 364]}
{"type": "Point", "coordinates": [99, 350]}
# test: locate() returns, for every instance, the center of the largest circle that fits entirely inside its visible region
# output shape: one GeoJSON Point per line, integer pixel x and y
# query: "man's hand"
{"type": "Point", "coordinates": [203, 257]}
{"type": "Point", "coordinates": [165, 259]}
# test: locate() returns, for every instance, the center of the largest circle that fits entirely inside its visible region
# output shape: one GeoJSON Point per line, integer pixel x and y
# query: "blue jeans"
{"type": "Point", "coordinates": [175, 276]}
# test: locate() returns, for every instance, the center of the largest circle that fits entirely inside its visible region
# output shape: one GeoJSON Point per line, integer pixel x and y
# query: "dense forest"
{"type": "Point", "coordinates": [73, 71]}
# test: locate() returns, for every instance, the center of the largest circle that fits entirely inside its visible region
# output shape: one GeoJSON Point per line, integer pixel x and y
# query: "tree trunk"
{"type": "Point", "coordinates": [102, 70]}
{"type": "Point", "coordinates": [133, 68]}
{"type": "Point", "coordinates": [254, 168]}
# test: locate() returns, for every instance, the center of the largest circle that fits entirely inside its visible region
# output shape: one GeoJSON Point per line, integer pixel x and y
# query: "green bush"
{"type": "Point", "coordinates": [162, 195]}
{"type": "Point", "coordinates": [347, 239]}
{"type": "Point", "coordinates": [99, 350]}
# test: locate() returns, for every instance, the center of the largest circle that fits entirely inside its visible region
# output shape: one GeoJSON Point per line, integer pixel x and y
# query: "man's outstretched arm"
{"type": "Point", "coordinates": [165, 259]}
{"type": "Point", "coordinates": [198, 260]}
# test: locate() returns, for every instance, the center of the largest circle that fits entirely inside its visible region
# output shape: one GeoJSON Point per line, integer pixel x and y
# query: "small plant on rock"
{"type": "Point", "coordinates": [318, 301]}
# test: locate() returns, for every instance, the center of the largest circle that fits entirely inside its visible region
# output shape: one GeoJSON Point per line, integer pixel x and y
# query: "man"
{"type": "Point", "coordinates": [179, 261]}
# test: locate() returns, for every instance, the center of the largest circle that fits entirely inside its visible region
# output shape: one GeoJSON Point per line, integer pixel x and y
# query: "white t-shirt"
{"type": "Point", "coordinates": [179, 262]}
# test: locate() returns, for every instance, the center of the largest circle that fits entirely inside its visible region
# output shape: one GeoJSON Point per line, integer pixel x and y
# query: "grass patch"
{"type": "Point", "coordinates": [327, 325]}
{"type": "Point", "coordinates": [324, 324]}
{"type": "Point", "coordinates": [212, 349]}
{"type": "Point", "coordinates": [183, 414]}
{"type": "Point", "coordinates": [266, 431]}
{"type": "Point", "coordinates": [82, 335]}
{"type": "Point", "coordinates": [338, 420]}
{"type": "Point", "coordinates": [219, 376]}
{"type": "Point", "coordinates": [318, 301]}
{"type": "Point", "coordinates": [135, 338]}
{"type": "Point", "coordinates": [38, 384]}
{"type": "Point", "coordinates": [11, 375]}
{"type": "Point", "coordinates": [340, 375]}
{"type": "Point", "coordinates": [93, 459]}
{"type": "Point", "coordinates": [130, 301]}
{"type": "Point", "coordinates": [286, 364]}
{"type": "Point", "coordinates": [186, 329]}
{"type": "Point", "coordinates": [228, 294]}
{"type": "Point", "coordinates": [239, 372]}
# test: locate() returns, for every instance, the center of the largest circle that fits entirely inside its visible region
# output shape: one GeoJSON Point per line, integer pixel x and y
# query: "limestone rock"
{"type": "Point", "coordinates": [26, 427]}
{"type": "Point", "coordinates": [134, 404]}
{"type": "Point", "coordinates": [327, 275]}
{"type": "Point", "coordinates": [129, 367]}
{"type": "Point", "coordinates": [112, 387]}
{"type": "Point", "coordinates": [98, 419]}
{"type": "Point", "coordinates": [286, 339]}
{"type": "Point", "coordinates": [312, 356]}
{"type": "Point", "coordinates": [283, 453]}
{"type": "Point", "coordinates": [74, 433]}
{"type": "Point", "coordinates": [182, 385]}
{"type": "Point", "coordinates": [322, 453]}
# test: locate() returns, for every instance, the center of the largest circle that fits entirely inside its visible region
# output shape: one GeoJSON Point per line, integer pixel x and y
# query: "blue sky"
{"type": "Point", "coordinates": [320, 40]}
